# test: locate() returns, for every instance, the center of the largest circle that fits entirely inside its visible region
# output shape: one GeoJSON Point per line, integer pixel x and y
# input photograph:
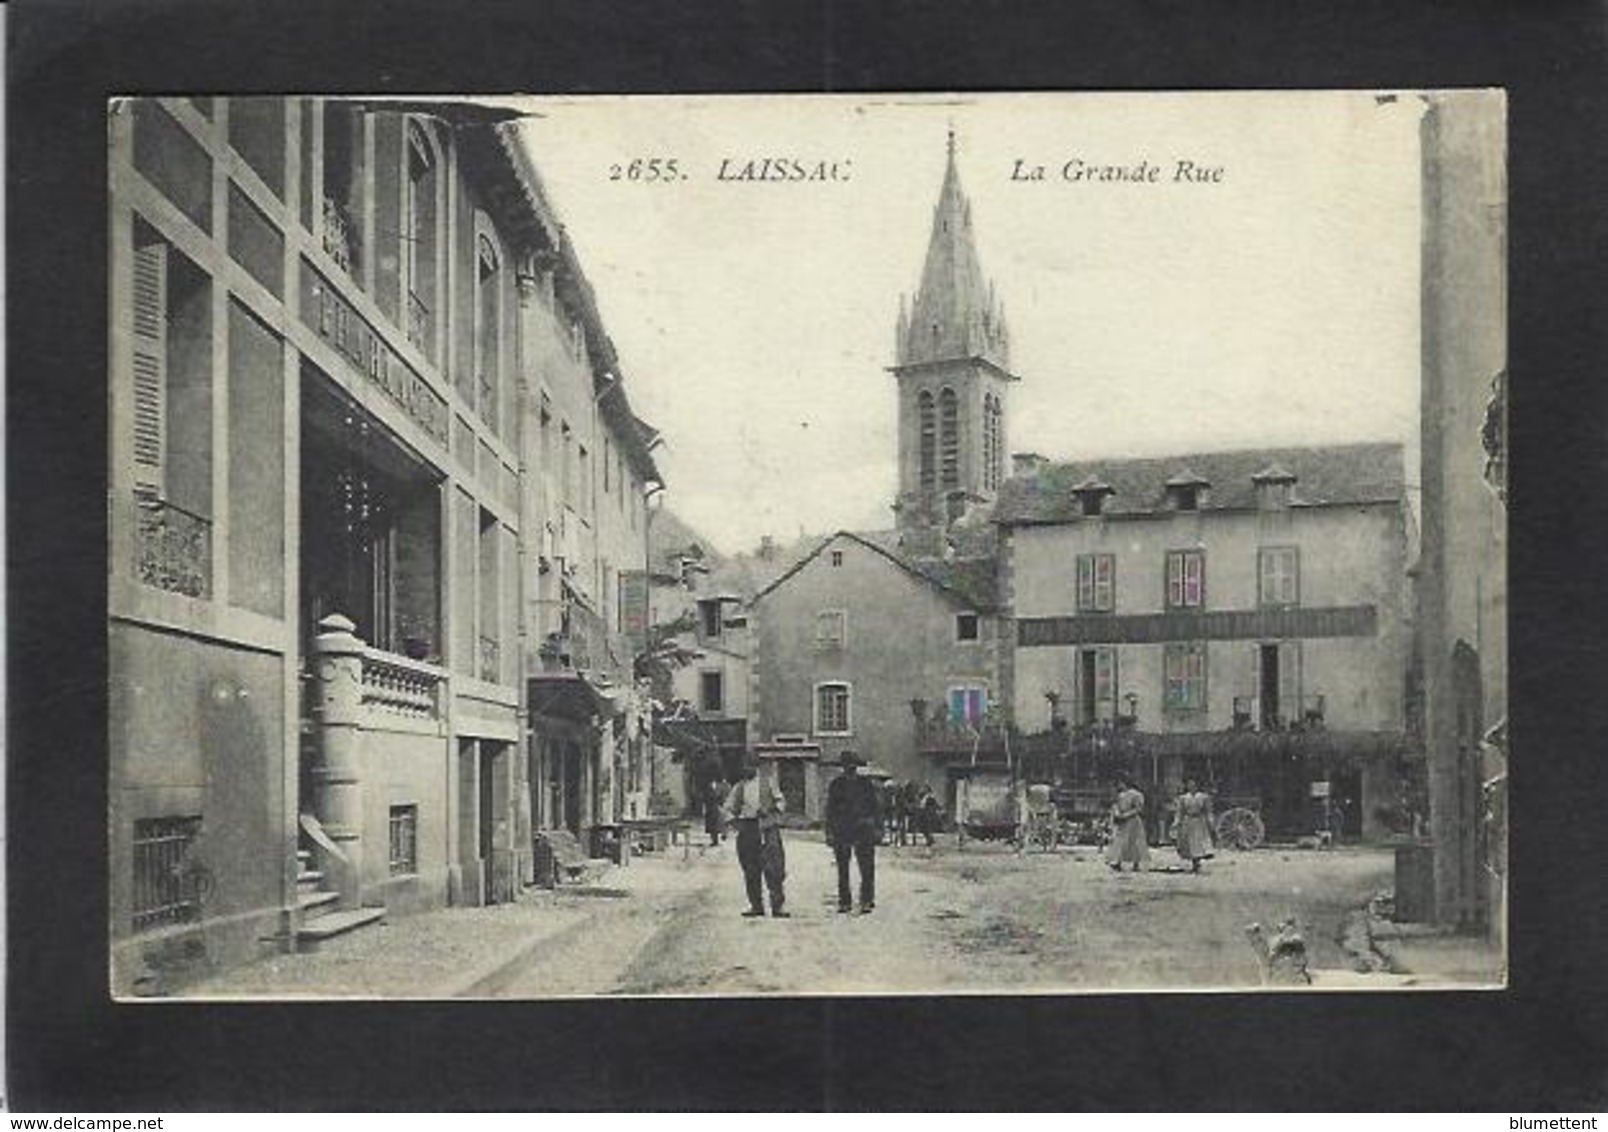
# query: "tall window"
{"type": "Point", "coordinates": [1186, 579]}
{"type": "Point", "coordinates": [173, 413]}
{"type": "Point", "coordinates": [1185, 677]}
{"type": "Point", "coordinates": [1097, 583]}
{"type": "Point", "coordinates": [831, 629]}
{"type": "Point", "coordinates": [949, 437]}
{"type": "Point", "coordinates": [967, 704]}
{"type": "Point", "coordinates": [1096, 684]}
{"type": "Point", "coordinates": [488, 327]}
{"type": "Point", "coordinates": [993, 442]}
{"type": "Point", "coordinates": [928, 418]}
{"type": "Point", "coordinates": [832, 709]}
{"type": "Point", "coordinates": [490, 643]}
{"type": "Point", "coordinates": [709, 618]}
{"type": "Point", "coordinates": [566, 471]}
{"type": "Point", "coordinates": [1278, 575]}
{"type": "Point", "coordinates": [711, 691]}
{"type": "Point", "coordinates": [1278, 682]}
{"type": "Point", "coordinates": [404, 840]}
{"type": "Point", "coordinates": [343, 160]}
{"type": "Point", "coordinates": [419, 238]}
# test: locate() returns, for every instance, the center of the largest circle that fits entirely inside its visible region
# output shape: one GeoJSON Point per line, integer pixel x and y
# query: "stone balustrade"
{"type": "Point", "coordinates": [396, 685]}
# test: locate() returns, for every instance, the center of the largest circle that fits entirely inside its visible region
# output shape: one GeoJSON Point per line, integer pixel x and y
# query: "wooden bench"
{"type": "Point", "coordinates": [560, 858]}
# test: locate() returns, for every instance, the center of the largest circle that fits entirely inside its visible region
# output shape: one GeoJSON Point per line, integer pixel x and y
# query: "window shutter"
{"type": "Point", "coordinates": [1290, 679]}
{"type": "Point", "coordinates": [1085, 582]}
{"type": "Point", "coordinates": [150, 367]}
{"type": "Point", "coordinates": [1194, 571]}
{"type": "Point", "coordinates": [1104, 684]}
{"type": "Point", "coordinates": [1256, 686]}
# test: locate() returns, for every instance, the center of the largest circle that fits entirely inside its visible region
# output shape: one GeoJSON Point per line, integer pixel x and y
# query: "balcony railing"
{"type": "Point", "coordinates": [1312, 711]}
{"type": "Point", "coordinates": [951, 737]}
{"type": "Point", "coordinates": [340, 234]}
{"type": "Point", "coordinates": [396, 685]}
{"type": "Point", "coordinates": [173, 547]}
{"type": "Point", "coordinates": [578, 639]}
{"type": "Point", "coordinates": [1308, 714]}
{"type": "Point", "coordinates": [490, 659]}
{"type": "Point", "coordinates": [418, 322]}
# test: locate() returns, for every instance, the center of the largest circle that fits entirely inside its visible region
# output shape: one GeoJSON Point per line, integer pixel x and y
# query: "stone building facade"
{"type": "Point", "coordinates": [860, 645]}
{"type": "Point", "coordinates": [326, 516]}
{"type": "Point", "coordinates": [1461, 573]}
{"type": "Point", "coordinates": [1202, 594]}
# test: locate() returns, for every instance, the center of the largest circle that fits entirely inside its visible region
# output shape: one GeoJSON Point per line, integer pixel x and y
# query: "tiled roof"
{"type": "Point", "coordinates": [1328, 474]}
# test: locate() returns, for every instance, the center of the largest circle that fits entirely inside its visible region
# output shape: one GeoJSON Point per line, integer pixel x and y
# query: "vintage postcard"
{"type": "Point", "coordinates": [747, 545]}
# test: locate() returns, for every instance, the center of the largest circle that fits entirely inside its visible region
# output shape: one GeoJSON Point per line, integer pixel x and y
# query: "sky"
{"type": "Point", "coordinates": [754, 320]}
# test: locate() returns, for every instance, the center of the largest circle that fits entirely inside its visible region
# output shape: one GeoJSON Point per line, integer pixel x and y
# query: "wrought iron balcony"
{"type": "Point", "coordinates": [943, 735]}
{"type": "Point", "coordinates": [578, 639]}
{"type": "Point", "coordinates": [173, 547]}
{"type": "Point", "coordinates": [340, 234]}
{"type": "Point", "coordinates": [1312, 711]}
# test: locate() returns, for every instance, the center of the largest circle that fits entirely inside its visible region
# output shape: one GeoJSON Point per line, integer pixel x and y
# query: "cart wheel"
{"type": "Point", "coordinates": [1240, 828]}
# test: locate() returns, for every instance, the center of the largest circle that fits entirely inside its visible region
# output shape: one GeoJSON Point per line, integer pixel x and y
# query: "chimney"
{"type": "Point", "coordinates": [1273, 484]}
{"type": "Point", "coordinates": [1027, 463]}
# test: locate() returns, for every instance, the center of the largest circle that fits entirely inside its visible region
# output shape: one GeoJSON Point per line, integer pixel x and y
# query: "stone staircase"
{"type": "Point", "coordinates": [321, 921]}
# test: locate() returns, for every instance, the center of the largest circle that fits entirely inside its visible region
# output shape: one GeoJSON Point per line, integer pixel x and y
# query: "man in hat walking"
{"type": "Point", "coordinates": [755, 809]}
{"type": "Point", "coordinates": [853, 826]}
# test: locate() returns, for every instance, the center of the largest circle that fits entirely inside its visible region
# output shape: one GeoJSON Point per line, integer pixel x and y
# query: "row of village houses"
{"type": "Point", "coordinates": [384, 566]}
{"type": "Point", "coordinates": [1298, 629]}
{"type": "Point", "coordinates": [378, 511]}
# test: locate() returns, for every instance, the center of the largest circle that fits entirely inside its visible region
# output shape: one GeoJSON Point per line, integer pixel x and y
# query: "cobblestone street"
{"type": "Point", "coordinates": [982, 918]}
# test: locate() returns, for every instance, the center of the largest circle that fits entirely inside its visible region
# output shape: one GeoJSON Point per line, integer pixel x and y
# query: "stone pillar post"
{"type": "Point", "coordinates": [338, 779]}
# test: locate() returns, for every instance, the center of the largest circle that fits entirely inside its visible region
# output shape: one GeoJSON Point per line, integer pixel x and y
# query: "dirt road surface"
{"type": "Point", "coordinates": [982, 918]}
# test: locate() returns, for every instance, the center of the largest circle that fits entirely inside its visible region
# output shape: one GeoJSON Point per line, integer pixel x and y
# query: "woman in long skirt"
{"type": "Point", "coordinates": [1192, 827]}
{"type": "Point", "coordinates": [1128, 843]}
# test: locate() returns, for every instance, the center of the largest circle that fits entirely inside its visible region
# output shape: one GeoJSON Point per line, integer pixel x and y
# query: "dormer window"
{"type": "Point", "coordinates": [1091, 495]}
{"type": "Point", "coordinates": [1273, 484]}
{"type": "Point", "coordinates": [1187, 492]}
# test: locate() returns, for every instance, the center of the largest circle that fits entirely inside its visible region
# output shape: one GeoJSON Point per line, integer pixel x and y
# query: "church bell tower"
{"type": "Point", "coordinates": [953, 372]}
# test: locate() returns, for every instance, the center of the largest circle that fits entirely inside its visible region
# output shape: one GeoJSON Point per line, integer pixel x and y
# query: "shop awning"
{"type": "Point", "coordinates": [568, 696]}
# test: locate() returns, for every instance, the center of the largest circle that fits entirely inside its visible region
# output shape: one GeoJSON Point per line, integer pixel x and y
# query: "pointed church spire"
{"type": "Point", "coordinates": [951, 314]}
